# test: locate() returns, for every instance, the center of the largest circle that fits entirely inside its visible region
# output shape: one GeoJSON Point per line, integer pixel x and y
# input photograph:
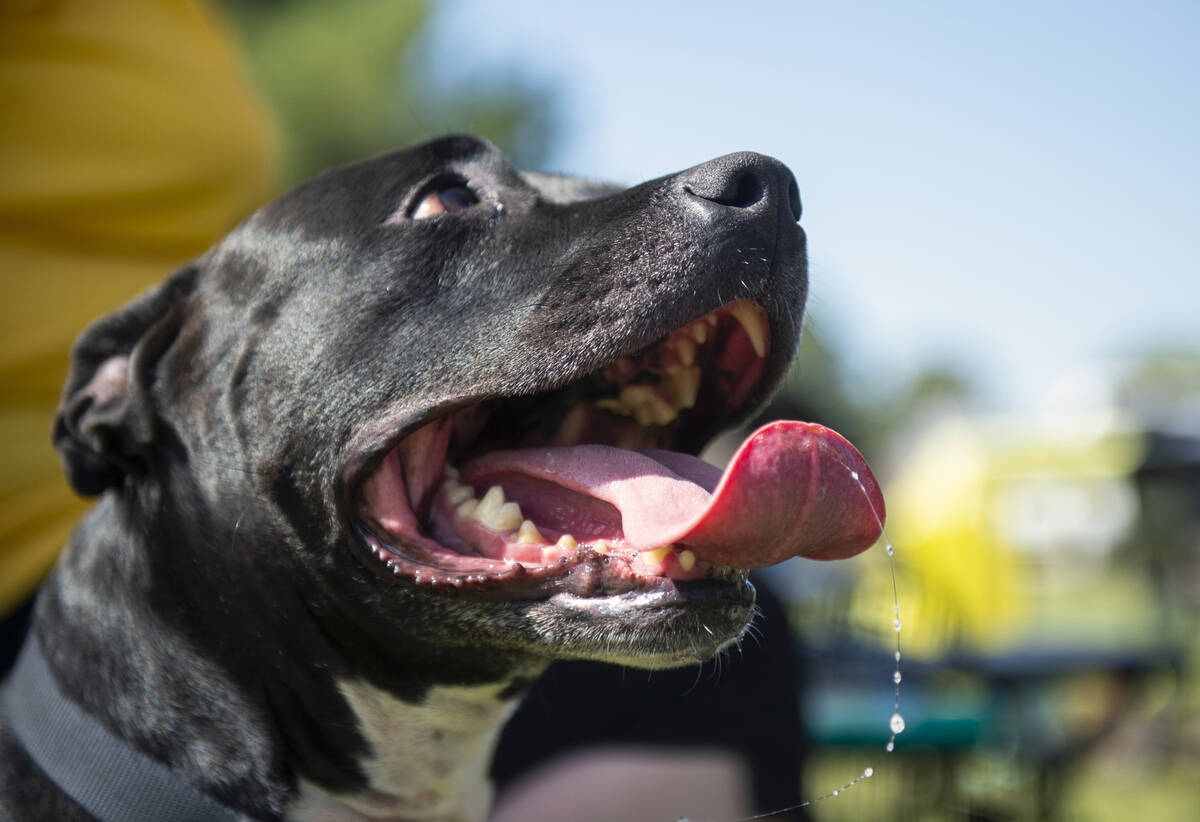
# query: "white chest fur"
{"type": "Point", "coordinates": [427, 761]}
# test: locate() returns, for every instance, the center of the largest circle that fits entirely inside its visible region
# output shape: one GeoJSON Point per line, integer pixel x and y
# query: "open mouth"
{"type": "Point", "coordinates": [577, 489]}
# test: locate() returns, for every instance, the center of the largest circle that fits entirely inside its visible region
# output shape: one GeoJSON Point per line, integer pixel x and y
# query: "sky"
{"type": "Point", "coordinates": [1008, 189]}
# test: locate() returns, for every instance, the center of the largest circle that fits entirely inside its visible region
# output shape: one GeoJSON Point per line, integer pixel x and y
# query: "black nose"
{"type": "Point", "coordinates": [745, 180]}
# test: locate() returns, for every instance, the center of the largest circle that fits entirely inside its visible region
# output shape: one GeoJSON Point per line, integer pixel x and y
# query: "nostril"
{"type": "Point", "coordinates": [747, 182]}
{"type": "Point", "coordinates": [740, 191]}
{"type": "Point", "coordinates": [794, 199]}
{"type": "Point", "coordinates": [746, 191]}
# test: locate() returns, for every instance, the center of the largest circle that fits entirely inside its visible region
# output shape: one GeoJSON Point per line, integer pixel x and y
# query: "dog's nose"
{"type": "Point", "coordinates": [745, 180]}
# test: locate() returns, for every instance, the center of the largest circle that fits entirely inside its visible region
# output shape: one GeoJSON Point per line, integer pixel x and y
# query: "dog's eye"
{"type": "Point", "coordinates": [443, 199]}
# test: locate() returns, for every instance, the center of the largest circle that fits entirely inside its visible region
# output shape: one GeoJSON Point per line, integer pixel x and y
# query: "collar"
{"type": "Point", "coordinates": [102, 773]}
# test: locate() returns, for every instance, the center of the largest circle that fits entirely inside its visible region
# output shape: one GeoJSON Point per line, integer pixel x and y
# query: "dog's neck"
{"type": "Point", "coordinates": [282, 739]}
{"type": "Point", "coordinates": [427, 761]}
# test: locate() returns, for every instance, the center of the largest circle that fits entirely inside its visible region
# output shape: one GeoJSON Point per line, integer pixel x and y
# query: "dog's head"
{"type": "Point", "coordinates": [438, 403]}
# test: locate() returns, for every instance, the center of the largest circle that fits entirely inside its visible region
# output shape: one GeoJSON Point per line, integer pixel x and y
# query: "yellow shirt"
{"type": "Point", "coordinates": [129, 143]}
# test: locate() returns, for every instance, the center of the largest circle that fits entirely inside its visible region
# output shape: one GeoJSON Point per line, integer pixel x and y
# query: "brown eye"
{"type": "Point", "coordinates": [444, 199]}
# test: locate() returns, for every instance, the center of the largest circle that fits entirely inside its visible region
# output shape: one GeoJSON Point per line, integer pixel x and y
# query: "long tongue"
{"type": "Point", "coordinates": [792, 489]}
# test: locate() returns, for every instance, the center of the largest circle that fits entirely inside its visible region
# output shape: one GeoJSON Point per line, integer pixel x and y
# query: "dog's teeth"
{"type": "Point", "coordinates": [656, 556]}
{"type": "Point", "coordinates": [507, 518]}
{"type": "Point", "coordinates": [529, 534]}
{"type": "Point", "coordinates": [750, 317]}
{"type": "Point", "coordinates": [614, 407]}
{"type": "Point", "coordinates": [467, 509]}
{"type": "Point", "coordinates": [600, 546]}
{"type": "Point", "coordinates": [497, 514]}
{"type": "Point", "coordinates": [451, 472]}
{"type": "Point", "coordinates": [699, 332]}
{"type": "Point", "coordinates": [683, 386]}
{"type": "Point", "coordinates": [648, 406]}
{"type": "Point", "coordinates": [685, 347]}
{"type": "Point", "coordinates": [567, 541]}
{"type": "Point", "coordinates": [456, 492]}
{"type": "Point", "coordinates": [687, 560]}
{"type": "Point", "coordinates": [494, 497]}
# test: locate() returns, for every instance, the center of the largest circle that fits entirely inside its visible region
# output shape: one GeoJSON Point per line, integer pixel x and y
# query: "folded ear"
{"type": "Point", "coordinates": [105, 421]}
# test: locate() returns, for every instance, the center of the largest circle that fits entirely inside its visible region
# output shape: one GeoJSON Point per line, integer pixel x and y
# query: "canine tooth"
{"type": "Point", "coordinates": [600, 546]}
{"type": "Point", "coordinates": [657, 555]}
{"type": "Point", "coordinates": [751, 319]}
{"type": "Point", "coordinates": [567, 541]}
{"type": "Point", "coordinates": [687, 560]}
{"type": "Point", "coordinates": [685, 347]}
{"type": "Point", "coordinates": [457, 493]}
{"type": "Point", "coordinates": [467, 509]}
{"type": "Point", "coordinates": [699, 332]}
{"type": "Point", "coordinates": [529, 534]}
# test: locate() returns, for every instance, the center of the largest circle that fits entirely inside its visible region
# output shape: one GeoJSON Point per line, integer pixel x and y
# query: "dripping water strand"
{"type": "Point", "coordinates": [896, 723]}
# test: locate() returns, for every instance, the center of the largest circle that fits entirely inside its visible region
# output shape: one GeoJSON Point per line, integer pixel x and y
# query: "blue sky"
{"type": "Point", "coordinates": [1009, 188]}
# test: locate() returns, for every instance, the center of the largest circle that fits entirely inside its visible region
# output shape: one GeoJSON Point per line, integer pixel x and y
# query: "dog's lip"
{"type": "Point", "coordinates": [583, 575]}
{"type": "Point", "coordinates": [421, 562]}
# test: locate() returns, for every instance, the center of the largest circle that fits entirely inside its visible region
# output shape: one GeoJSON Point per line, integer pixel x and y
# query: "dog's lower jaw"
{"type": "Point", "coordinates": [428, 761]}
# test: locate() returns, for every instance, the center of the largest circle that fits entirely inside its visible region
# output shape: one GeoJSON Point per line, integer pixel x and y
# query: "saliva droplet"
{"type": "Point", "coordinates": [896, 625]}
{"type": "Point", "coordinates": [891, 746]}
{"type": "Point", "coordinates": [897, 724]}
{"type": "Point", "coordinates": [868, 773]}
{"type": "Point", "coordinates": [896, 677]}
{"type": "Point", "coordinates": [897, 656]}
{"type": "Point", "coordinates": [891, 551]}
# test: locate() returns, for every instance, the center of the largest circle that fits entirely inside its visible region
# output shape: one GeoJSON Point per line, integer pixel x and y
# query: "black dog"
{"type": "Point", "coordinates": [318, 574]}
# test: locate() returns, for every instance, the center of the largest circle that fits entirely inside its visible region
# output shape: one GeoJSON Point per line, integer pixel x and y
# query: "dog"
{"type": "Point", "coordinates": [406, 435]}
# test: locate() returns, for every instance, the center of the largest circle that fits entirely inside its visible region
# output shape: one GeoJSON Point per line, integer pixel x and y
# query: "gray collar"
{"type": "Point", "coordinates": [102, 773]}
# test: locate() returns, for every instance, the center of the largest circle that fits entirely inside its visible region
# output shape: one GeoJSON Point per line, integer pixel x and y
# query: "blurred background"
{"type": "Point", "coordinates": [1001, 203]}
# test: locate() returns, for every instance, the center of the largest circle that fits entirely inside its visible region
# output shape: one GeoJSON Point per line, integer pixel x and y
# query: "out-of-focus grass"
{"type": "Point", "coordinates": [1145, 768]}
{"type": "Point", "coordinates": [924, 786]}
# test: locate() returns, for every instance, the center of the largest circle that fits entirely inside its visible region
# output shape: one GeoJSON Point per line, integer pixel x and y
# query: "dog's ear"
{"type": "Point", "coordinates": [105, 421]}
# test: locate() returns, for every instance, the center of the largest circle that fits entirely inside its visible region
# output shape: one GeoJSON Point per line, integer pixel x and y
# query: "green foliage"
{"type": "Point", "coordinates": [345, 82]}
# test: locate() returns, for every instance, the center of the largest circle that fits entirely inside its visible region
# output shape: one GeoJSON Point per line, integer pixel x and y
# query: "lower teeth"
{"type": "Point", "coordinates": [496, 513]}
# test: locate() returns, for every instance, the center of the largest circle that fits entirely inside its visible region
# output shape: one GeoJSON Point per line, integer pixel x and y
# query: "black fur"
{"type": "Point", "coordinates": [206, 605]}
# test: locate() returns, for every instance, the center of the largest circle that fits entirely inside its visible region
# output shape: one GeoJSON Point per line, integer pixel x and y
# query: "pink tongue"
{"type": "Point", "coordinates": [790, 490]}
